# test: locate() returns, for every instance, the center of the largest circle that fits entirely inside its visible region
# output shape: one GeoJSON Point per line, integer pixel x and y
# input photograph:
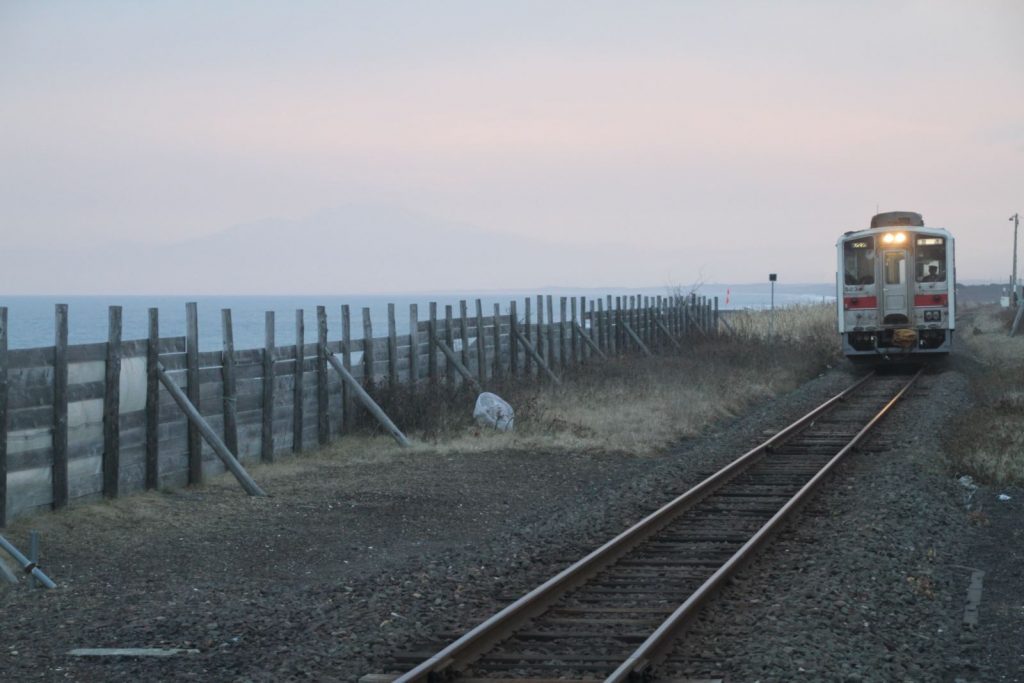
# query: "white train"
{"type": "Point", "coordinates": [896, 289]}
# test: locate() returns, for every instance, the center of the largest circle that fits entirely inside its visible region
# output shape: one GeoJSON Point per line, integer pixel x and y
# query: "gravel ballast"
{"type": "Point", "coordinates": [350, 562]}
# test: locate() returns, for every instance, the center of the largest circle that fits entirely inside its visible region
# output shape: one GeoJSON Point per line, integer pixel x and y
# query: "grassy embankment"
{"type": "Point", "coordinates": [988, 441]}
{"type": "Point", "coordinates": [635, 405]}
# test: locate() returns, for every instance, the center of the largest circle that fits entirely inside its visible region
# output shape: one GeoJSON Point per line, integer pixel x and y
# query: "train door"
{"type": "Point", "coordinates": [895, 306]}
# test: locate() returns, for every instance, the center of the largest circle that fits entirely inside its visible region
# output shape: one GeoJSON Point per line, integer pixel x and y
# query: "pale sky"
{"type": "Point", "coordinates": [727, 139]}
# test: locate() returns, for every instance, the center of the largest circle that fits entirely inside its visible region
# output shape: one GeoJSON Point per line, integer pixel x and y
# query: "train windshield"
{"type": "Point", "coordinates": [859, 261]}
{"type": "Point", "coordinates": [895, 267]}
{"type": "Point", "coordinates": [931, 259]}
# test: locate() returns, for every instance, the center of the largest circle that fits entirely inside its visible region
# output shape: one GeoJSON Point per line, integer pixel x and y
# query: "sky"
{"type": "Point", "coordinates": [651, 142]}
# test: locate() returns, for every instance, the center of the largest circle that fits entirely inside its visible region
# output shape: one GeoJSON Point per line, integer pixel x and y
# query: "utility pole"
{"type": "Point", "coordinates": [1016, 220]}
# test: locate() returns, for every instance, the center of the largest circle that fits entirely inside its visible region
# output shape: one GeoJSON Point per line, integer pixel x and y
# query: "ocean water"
{"type": "Point", "coordinates": [31, 318]}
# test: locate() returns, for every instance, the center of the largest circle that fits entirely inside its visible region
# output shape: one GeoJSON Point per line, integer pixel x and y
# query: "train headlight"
{"type": "Point", "coordinates": [887, 238]}
{"type": "Point", "coordinates": [932, 316]}
{"type": "Point", "coordinates": [894, 237]}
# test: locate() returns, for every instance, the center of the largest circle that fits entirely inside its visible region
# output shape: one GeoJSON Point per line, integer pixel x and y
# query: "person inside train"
{"type": "Point", "coordinates": [933, 275]}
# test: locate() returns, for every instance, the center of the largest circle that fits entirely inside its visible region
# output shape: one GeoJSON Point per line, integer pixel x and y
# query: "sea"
{"type": "Point", "coordinates": [31, 318]}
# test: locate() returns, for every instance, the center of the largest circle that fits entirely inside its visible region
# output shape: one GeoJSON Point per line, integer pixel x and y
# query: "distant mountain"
{"type": "Point", "coordinates": [350, 249]}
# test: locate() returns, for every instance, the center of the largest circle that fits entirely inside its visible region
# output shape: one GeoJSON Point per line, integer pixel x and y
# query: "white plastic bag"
{"type": "Point", "coordinates": [492, 411]}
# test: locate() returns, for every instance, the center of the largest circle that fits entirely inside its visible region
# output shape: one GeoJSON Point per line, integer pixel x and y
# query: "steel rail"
{"type": "Point", "coordinates": [499, 625]}
{"type": "Point", "coordinates": [657, 644]}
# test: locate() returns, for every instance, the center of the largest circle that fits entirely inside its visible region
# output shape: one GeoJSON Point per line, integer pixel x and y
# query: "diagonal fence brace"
{"type": "Point", "coordinates": [590, 342]}
{"type": "Point", "coordinates": [536, 357]}
{"type": "Point", "coordinates": [636, 338]}
{"type": "Point", "coordinates": [368, 401]}
{"type": "Point", "coordinates": [229, 460]}
{"type": "Point", "coordinates": [27, 565]}
{"type": "Point", "coordinates": [463, 370]}
{"type": "Point", "coordinates": [669, 335]}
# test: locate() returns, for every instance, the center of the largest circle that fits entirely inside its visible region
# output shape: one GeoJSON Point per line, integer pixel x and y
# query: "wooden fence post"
{"type": "Point", "coordinates": [666, 314]}
{"type": "Point", "coordinates": [60, 407]}
{"type": "Point", "coordinates": [513, 343]}
{"type": "Point", "coordinates": [432, 344]}
{"type": "Point", "coordinates": [659, 315]}
{"type": "Point", "coordinates": [635, 312]}
{"type": "Point", "coordinates": [230, 396]}
{"type": "Point", "coordinates": [112, 405]}
{"type": "Point", "coordinates": [497, 372]}
{"type": "Point", "coordinates": [323, 418]}
{"type": "Point", "coordinates": [551, 332]}
{"type": "Point", "coordinates": [684, 309]}
{"type": "Point", "coordinates": [3, 416]}
{"type": "Point", "coordinates": [562, 351]}
{"type": "Point", "coordinates": [300, 362]}
{"type": "Point", "coordinates": [368, 359]}
{"type": "Point", "coordinates": [584, 351]}
{"type": "Point", "coordinates": [617, 337]}
{"type": "Point", "coordinates": [632, 317]}
{"type": "Point", "coordinates": [348, 408]}
{"type": "Point", "coordinates": [267, 425]}
{"type": "Point", "coordinates": [449, 339]}
{"type": "Point", "coordinates": [609, 338]}
{"type": "Point", "coordinates": [414, 347]}
{"type": "Point", "coordinates": [153, 402]}
{"type": "Point", "coordinates": [392, 349]}
{"type": "Point", "coordinates": [574, 337]}
{"type": "Point", "coordinates": [195, 438]}
{"type": "Point", "coordinates": [464, 332]}
{"type": "Point", "coordinates": [639, 319]}
{"type": "Point", "coordinates": [670, 318]}
{"type": "Point", "coordinates": [648, 327]}
{"type": "Point", "coordinates": [541, 347]}
{"type": "Point", "coordinates": [481, 344]}
{"type": "Point", "coordinates": [527, 321]}
{"type": "Point", "coordinates": [590, 313]}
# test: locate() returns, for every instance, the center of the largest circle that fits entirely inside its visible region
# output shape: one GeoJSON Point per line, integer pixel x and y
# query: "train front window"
{"type": "Point", "coordinates": [930, 259]}
{"type": "Point", "coordinates": [859, 261]}
{"type": "Point", "coordinates": [895, 267]}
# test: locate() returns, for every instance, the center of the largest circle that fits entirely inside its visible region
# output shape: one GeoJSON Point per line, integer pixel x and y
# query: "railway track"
{"type": "Point", "coordinates": [614, 614]}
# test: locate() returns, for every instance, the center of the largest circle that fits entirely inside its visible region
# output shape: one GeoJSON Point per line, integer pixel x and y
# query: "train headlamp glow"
{"type": "Point", "coordinates": [894, 237]}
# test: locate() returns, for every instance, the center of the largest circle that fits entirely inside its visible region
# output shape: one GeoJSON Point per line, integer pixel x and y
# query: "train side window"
{"type": "Point", "coordinates": [859, 261]}
{"type": "Point", "coordinates": [895, 267]}
{"type": "Point", "coordinates": [931, 259]}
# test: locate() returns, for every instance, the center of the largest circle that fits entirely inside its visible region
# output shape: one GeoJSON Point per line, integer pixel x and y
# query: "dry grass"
{"type": "Point", "coordinates": [988, 442]}
{"type": "Point", "coordinates": [635, 405]}
{"type": "Point", "coordinates": [804, 325]}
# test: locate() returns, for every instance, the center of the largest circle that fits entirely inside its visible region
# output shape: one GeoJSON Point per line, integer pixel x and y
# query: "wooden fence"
{"type": "Point", "coordinates": [89, 420]}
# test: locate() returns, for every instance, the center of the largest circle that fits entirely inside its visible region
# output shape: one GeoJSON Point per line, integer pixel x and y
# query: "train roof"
{"type": "Point", "coordinates": [893, 219]}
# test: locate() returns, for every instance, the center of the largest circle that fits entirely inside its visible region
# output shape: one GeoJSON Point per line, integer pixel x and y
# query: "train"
{"type": "Point", "coordinates": [896, 289]}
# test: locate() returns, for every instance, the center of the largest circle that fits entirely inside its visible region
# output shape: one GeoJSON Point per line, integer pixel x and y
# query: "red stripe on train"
{"type": "Point", "coordinates": [860, 302]}
{"type": "Point", "coordinates": [931, 300]}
